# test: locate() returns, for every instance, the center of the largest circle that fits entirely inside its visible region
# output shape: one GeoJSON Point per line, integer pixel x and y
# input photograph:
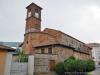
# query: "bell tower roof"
{"type": "Point", "coordinates": [32, 5]}
{"type": "Point", "coordinates": [33, 18]}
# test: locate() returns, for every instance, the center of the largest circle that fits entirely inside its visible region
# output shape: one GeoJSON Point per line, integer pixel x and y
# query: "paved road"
{"type": "Point", "coordinates": [96, 72]}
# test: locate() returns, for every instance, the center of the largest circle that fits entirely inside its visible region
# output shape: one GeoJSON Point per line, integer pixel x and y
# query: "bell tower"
{"type": "Point", "coordinates": [33, 25]}
{"type": "Point", "coordinates": [33, 18]}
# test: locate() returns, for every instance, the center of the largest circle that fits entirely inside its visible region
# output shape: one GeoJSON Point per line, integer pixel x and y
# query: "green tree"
{"type": "Point", "coordinates": [22, 57]}
{"type": "Point", "coordinates": [59, 68]}
{"type": "Point", "coordinates": [74, 65]}
{"type": "Point", "coordinates": [70, 65]}
{"type": "Point", "coordinates": [90, 65]}
{"type": "Point", "coordinates": [81, 65]}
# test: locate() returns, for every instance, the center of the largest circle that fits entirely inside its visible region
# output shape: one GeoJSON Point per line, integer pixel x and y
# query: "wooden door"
{"type": "Point", "coordinates": [51, 65]}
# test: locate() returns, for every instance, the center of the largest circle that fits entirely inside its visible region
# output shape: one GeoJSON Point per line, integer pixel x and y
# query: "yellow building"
{"type": "Point", "coordinates": [4, 52]}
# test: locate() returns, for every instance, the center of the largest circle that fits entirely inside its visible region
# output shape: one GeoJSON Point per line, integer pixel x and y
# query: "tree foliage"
{"type": "Point", "coordinates": [74, 65]}
{"type": "Point", "coordinates": [90, 65]}
{"type": "Point", "coordinates": [22, 57]}
{"type": "Point", "coordinates": [59, 68]}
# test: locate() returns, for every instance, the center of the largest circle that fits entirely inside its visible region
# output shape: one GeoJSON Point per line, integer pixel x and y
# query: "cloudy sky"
{"type": "Point", "coordinates": [78, 18]}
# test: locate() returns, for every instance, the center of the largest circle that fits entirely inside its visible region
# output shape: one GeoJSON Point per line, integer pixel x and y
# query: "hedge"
{"type": "Point", "coordinates": [74, 65]}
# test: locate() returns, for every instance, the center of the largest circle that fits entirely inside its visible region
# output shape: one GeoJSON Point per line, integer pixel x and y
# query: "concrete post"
{"type": "Point", "coordinates": [31, 65]}
{"type": "Point", "coordinates": [8, 64]}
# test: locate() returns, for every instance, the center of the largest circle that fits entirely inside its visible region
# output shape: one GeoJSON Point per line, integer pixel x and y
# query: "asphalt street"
{"type": "Point", "coordinates": [96, 72]}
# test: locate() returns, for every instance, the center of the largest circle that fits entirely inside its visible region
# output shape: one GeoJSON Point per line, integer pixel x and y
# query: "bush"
{"type": "Point", "coordinates": [81, 65]}
{"type": "Point", "coordinates": [59, 69]}
{"type": "Point", "coordinates": [22, 57]}
{"type": "Point", "coordinates": [90, 65]}
{"type": "Point", "coordinates": [71, 57]}
{"type": "Point", "coordinates": [70, 65]}
{"type": "Point", "coordinates": [74, 65]}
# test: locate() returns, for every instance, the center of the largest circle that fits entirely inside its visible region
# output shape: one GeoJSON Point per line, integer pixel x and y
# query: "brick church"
{"type": "Point", "coordinates": [49, 46]}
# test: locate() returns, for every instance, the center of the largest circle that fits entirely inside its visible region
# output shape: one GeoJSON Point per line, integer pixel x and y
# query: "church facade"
{"type": "Point", "coordinates": [49, 46]}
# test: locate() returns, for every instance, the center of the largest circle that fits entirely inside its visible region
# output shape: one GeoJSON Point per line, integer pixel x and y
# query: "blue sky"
{"type": "Point", "coordinates": [78, 18]}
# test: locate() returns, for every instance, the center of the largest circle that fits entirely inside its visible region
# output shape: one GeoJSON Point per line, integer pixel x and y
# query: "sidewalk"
{"type": "Point", "coordinates": [96, 72]}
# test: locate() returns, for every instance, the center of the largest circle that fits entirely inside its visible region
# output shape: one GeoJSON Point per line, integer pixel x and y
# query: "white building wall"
{"type": "Point", "coordinates": [8, 64]}
{"type": "Point", "coordinates": [31, 65]}
{"type": "Point", "coordinates": [96, 55]}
